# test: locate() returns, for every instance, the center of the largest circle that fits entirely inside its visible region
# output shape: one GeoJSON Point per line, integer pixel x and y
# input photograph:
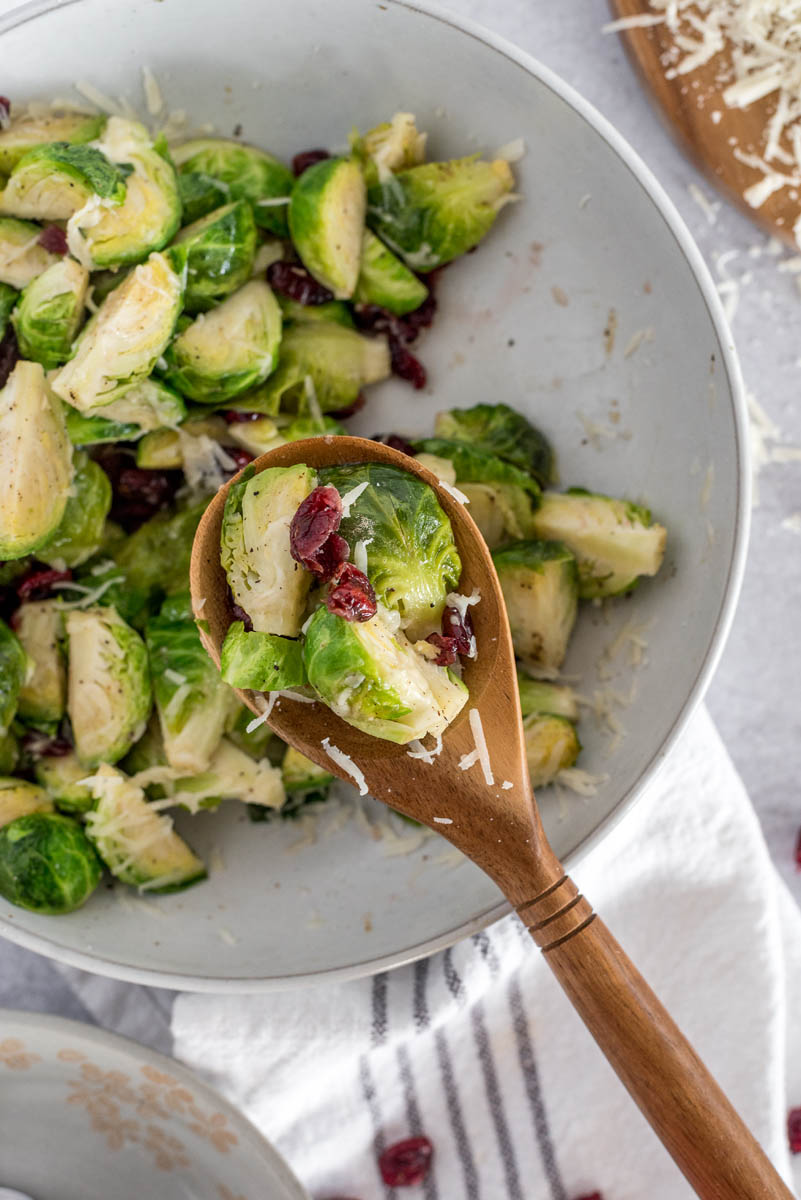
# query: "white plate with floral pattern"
{"type": "Point", "coordinates": [85, 1114]}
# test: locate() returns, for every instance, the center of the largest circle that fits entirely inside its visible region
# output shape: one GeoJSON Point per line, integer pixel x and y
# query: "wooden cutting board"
{"type": "Point", "coordinates": [710, 132]}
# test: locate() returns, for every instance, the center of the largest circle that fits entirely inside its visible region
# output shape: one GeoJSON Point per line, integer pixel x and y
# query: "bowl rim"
{"type": "Point", "coordinates": [15, 1021]}
{"type": "Point", "coordinates": [644, 177]}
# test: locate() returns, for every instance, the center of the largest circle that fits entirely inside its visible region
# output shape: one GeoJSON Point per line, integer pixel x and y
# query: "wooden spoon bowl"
{"type": "Point", "coordinates": [494, 821]}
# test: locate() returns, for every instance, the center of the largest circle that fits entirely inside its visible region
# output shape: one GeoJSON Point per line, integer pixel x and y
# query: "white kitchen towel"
{"type": "Point", "coordinates": [477, 1047]}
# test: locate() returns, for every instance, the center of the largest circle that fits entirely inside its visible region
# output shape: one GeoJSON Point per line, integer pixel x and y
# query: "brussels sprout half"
{"type": "Point", "coordinates": [301, 775]}
{"type": "Point", "coordinates": [18, 798]}
{"type": "Point", "coordinates": [537, 696]}
{"type": "Point", "coordinates": [9, 752]}
{"type": "Point", "coordinates": [62, 778]}
{"type": "Point", "coordinates": [264, 662]}
{"type": "Point", "coordinates": [108, 686]}
{"type": "Point", "coordinates": [376, 681]}
{"type": "Point", "coordinates": [47, 864]}
{"type": "Point", "coordinates": [80, 532]}
{"type": "Point", "coordinates": [139, 846]}
{"type": "Point", "coordinates": [154, 560]}
{"type": "Point", "coordinates": [326, 220]}
{"type": "Point", "coordinates": [241, 173]}
{"type": "Point", "coordinates": [168, 449]}
{"type": "Point", "coordinates": [193, 703]}
{"type": "Point", "coordinates": [552, 744]}
{"type": "Point", "coordinates": [220, 249]}
{"type": "Point", "coordinates": [253, 743]}
{"type": "Point", "coordinates": [385, 280]}
{"type": "Point", "coordinates": [396, 144]}
{"type": "Point", "coordinates": [146, 406]}
{"type": "Point", "coordinates": [39, 626]}
{"type": "Point", "coordinates": [50, 313]}
{"type": "Point", "coordinates": [53, 181]}
{"type": "Point", "coordinates": [539, 581]}
{"type": "Point", "coordinates": [412, 560]}
{"type": "Point", "coordinates": [102, 236]}
{"type": "Point", "coordinates": [228, 350]}
{"type": "Point", "coordinates": [22, 258]}
{"type": "Point", "coordinates": [263, 576]}
{"type": "Point", "coordinates": [121, 343]}
{"type": "Point", "coordinates": [232, 774]}
{"type": "Point", "coordinates": [498, 430]}
{"type": "Point", "coordinates": [26, 133]}
{"type": "Point", "coordinates": [14, 669]}
{"type": "Point", "coordinates": [335, 361]}
{"type": "Point", "coordinates": [35, 462]}
{"type": "Point", "coordinates": [200, 194]}
{"type": "Point", "coordinates": [503, 512]}
{"type": "Point", "coordinates": [614, 541]}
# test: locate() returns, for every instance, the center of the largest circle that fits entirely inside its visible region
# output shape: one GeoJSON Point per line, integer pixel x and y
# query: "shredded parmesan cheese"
{"type": "Point", "coordinates": [347, 764]}
{"type": "Point", "coordinates": [453, 491]}
{"type": "Point", "coordinates": [443, 820]}
{"type": "Point", "coordinates": [481, 746]}
{"type": "Point", "coordinates": [153, 97]}
{"type": "Point", "coordinates": [351, 497]}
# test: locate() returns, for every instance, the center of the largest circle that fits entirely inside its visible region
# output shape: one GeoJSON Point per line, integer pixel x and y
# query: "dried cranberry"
{"type": "Point", "coordinates": [139, 493]}
{"type": "Point", "coordinates": [240, 615]}
{"type": "Point", "coordinates": [460, 628]}
{"type": "Point", "coordinates": [44, 745]}
{"type": "Point", "coordinates": [396, 442]}
{"type": "Point", "coordinates": [798, 851]}
{"type": "Point", "coordinates": [53, 239]}
{"type": "Point", "coordinates": [239, 455]}
{"type": "Point", "coordinates": [352, 595]}
{"type": "Point", "coordinates": [447, 649]}
{"type": "Point", "coordinates": [326, 561]}
{"type": "Point", "coordinates": [294, 281]}
{"type": "Point", "coordinates": [407, 1162]}
{"type": "Point", "coordinates": [307, 158]}
{"type": "Point", "coordinates": [38, 584]}
{"type": "Point", "coordinates": [9, 354]}
{"type": "Point", "coordinates": [421, 318]}
{"type": "Point", "coordinates": [372, 318]}
{"type": "Point", "coordinates": [358, 404]}
{"type": "Point", "coordinates": [405, 365]}
{"type": "Point", "coordinates": [317, 517]}
{"type": "Point", "coordinates": [794, 1130]}
{"type": "Point", "coordinates": [590, 1195]}
{"type": "Point", "coordinates": [232, 416]}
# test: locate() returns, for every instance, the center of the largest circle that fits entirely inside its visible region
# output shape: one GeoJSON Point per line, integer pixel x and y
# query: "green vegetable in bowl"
{"type": "Point", "coordinates": [124, 339]}
{"type": "Point", "coordinates": [50, 313]}
{"type": "Point", "coordinates": [335, 311]}
{"type": "Point", "coordinates": [412, 560]}
{"type": "Point", "coordinates": [432, 213]}
{"type": "Point", "coordinates": [552, 745]}
{"type": "Point", "coordinates": [498, 430]}
{"type": "Point", "coordinates": [22, 257]}
{"type": "Point", "coordinates": [385, 280]}
{"type": "Point", "coordinates": [8, 300]}
{"type": "Point", "coordinates": [43, 695]}
{"type": "Point", "coordinates": [9, 752]}
{"type": "Point", "coordinates": [154, 560]}
{"type": "Point", "coordinates": [15, 666]}
{"type": "Point", "coordinates": [108, 685]}
{"type": "Point", "coordinates": [18, 798]}
{"type": "Point", "coordinates": [35, 462]}
{"type": "Point", "coordinates": [614, 541]}
{"type": "Point", "coordinates": [265, 662]}
{"type": "Point", "coordinates": [146, 406]}
{"type": "Point", "coordinates": [301, 775]}
{"type": "Point", "coordinates": [539, 581]}
{"type": "Point", "coordinates": [326, 220]}
{"type": "Point", "coordinates": [26, 133]}
{"type": "Point", "coordinates": [81, 529]}
{"type": "Point", "coordinates": [539, 696]}
{"type": "Point", "coordinates": [239, 172]}
{"type": "Point", "coordinates": [228, 350]}
{"type": "Point", "coordinates": [395, 145]}
{"type": "Point", "coordinates": [335, 361]}
{"type": "Point", "coordinates": [47, 864]}
{"type": "Point", "coordinates": [263, 577]}
{"type": "Point", "coordinates": [375, 680]}
{"type": "Point", "coordinates": [51, 182]}
{"type": "Point", "coordinates": [232, 774]}
{"type": "Point", "coordinates": [62, 778]}
{"type": "Point", "coordinates": [220, 249]}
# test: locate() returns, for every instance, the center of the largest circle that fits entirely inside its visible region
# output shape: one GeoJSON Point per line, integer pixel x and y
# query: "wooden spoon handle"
{"type": "Point", "coordinates": [664, 1075]}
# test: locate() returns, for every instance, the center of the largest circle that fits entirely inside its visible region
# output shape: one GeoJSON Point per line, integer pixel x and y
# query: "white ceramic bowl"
{"type": "Point", "coordinates": [121, 1121]}
{"type": "Point", "coordinates": [588, 307]}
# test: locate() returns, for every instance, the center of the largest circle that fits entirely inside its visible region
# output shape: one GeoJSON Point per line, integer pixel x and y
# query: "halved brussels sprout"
{"type": "Point", "coordinates": [385, 280]}
{"type": "Point", "coordinates": [53, 181]}
{"type": "Point", "coordinates": [244, 172]}
{"type": "Point", "coordinates": [552, 744]}
{"type": "Point", "coordinates": [35, 462]}
{"type": "Point", "coordinates": [62, 778]}
{"type": "Point", "coordinates": [326, 220]}
{"type": "Point", "coordinates": [537, 696]}
{"type": "Point", "coordinates": [497, 429]}
{"type": "Point", "coordinates": [155, 559]}
{"type": "Point", "coordinates": [257, 436]}
{"type": "Point", "coordinates": [395, 145]}
{"type": "Point", "coordinates": [22, 257]}
{"type": "Point", "coordinates": [104, 282]}
{"type": "Point", "coordinates": [613, 540]}
{"type": "Point", "coordinates": [301, 775]}
{"type": "Point", "coordinates": [139, 846]}
{"type": "Point", "coordinates": [167, 449]}
{"type": "Point", "coordinates": [8, 299]}
{"type": "Point", "coordinates": [220, 251]}
{"type": "Point", "coordinates": [228, 350]}
{"type": "Point", "coordinates": [263, 576]}
{"type": "Point", "coordinates": [146, 406]}
{"type": "Point", "coordinates": [200, 194]}
{"type": "Point", "coordinates": [103, 236]}
{"type": "Point", "coordinates": [336, 361]}
{"type": "Point", "coordinates": [47, 864]}
{"type": "Point", "coordinates": [50, 312]}
{"type": "Point", "coordinates": [14, 669]}
{"type": "Point", "coordinates": [265, 662]}
{"type": "Point", "coordinates": [9, 752]}
{"type": "Point", "coordinates": [43, 696]}
{"type": "Point", "coordinates": [474, 465]}
{"type": "Point", "coordinates": [81, 529]}
{"type": "Point", "coordinates": [335, 311]}
{"type": "Point", "coordinates": [412, 560]}
{"type": "Point", "coordinates": [376, 681]}
{"type": "Point", "coordinates": [26, 133]}
{"type": "Point", "coordinates": [193, 703]}
{"type": "Point", "coordinates": [539, 581]}
{"type": "Point", "coordinates": [127, 335]}
{"type": "Point", "coordinates": [18, 798]}
{"type": "Point", "coordinates": [432, 213]}
{"type": "Point", "coordinates": [253, 743]}
{"type": "Point", "coordinates": [108, 688]}
{"type": "Point", "coordinates": [232, 774]}
{"type": "Point", "coordinates": [503, 512]}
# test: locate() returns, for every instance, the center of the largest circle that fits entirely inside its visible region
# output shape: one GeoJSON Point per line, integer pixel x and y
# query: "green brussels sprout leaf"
{"type": "Point", "coordinates": [220, 249]}
{"type": "Point", "coordinates": [26, 133]}
{"type": "Point", "coordinates": [241, 173]}
{"type": "Point", "coordinates": [264, 662]}
{"type": "Point", "coordinates": [51, 182]}
{"type": "Point", "coordinates": [498, 430]}
{"type": "Point", "coordinates": [385, 280]}
{"type": "Point", "coordinates": [47, 864]}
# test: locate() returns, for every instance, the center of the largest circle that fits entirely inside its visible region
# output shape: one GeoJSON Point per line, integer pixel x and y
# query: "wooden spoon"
{"type": "Point", "coordinates": [705, 127]}
{"type": "Point", "coordinates": [498, 826]}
